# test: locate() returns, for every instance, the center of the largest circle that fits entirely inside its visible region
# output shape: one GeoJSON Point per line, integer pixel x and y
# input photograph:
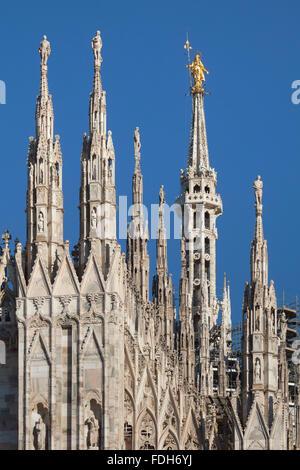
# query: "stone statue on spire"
{"type": "Point", "coordinates": [258, 185]}
{"type": "Point", "coordinates": [97, 46]}
{"type": "Point", "coordinates": [44, 50]}
{"type": "Point", "coordinates": [137, 141]}
{"type": "Point", "coordinates": [161, 195]}
{"type": "Point", "coordinates": [137, 146]}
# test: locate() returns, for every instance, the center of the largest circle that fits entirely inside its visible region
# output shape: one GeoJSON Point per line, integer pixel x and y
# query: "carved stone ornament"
{"type": "Point", "coordinates": [38, 303]}
{"type": "Point", "coordinates": [65, 301]}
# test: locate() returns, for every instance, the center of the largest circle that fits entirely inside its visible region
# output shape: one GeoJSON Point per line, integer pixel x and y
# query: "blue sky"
{"type": "Point", "coordinates": [251, 49]}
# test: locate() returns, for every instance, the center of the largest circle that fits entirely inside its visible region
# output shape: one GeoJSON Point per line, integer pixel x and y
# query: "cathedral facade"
{"type": "Point", "coordinates": [87, 360]}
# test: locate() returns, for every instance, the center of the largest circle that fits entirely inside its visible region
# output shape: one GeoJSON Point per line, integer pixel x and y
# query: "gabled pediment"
{"type": "Point", "coordinates": [39, 283]}
{"type": "Point", "coordinates": [129, 375]}
{"type": "Point", "coordinates": [92, 280]}
{"type": "Point", "coordinates": [237, 428]}
{"type": "Point", "coordinates": [91, 346]}
{"type": "Point", "coordinates": [66, 281]}
{"type": "Point", "coordinates": [39, 348]}
{"type": "Point", "coordinates": [277, 430]}
{"type": "Point", "coordinates": [169, 412]}
{"type": "Point", "coordinates": [147, 395]}
{"type": "Point", "coordinates": [256, 429]}
{"type": "Point", "coordinates": [191, 439]}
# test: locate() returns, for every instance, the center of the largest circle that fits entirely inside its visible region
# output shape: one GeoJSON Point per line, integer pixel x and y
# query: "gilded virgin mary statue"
{"type": "Point", "coordinates": [197, 71]}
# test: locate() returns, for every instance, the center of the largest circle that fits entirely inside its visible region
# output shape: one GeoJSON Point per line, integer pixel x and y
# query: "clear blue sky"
{"type": "Point", "coordinates": [252, 50]}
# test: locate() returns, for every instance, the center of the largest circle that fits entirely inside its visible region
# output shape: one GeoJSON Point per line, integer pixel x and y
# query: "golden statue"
{"type": "Point", "coordinates": [197, 71]}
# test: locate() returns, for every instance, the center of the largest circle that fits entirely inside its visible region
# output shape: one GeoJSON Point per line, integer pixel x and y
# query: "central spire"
{"type": "Point", "coordinates": [198, 152]}
{"type": "Point", "coordinates": [200, 207]}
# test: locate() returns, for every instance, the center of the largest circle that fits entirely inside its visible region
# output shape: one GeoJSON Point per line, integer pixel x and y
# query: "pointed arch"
{"type": "Point", "coordinates": [169, 440]}
{"type": "Point", "coordinates": [146, 430]}
{"type": "Point", "coordinates": [129, 420]}
{"type": "Point", "coordinates": [38, 340]}
{"type": "Point", "coordinates": [169, 416]}
{"type": "Point", "coordinates": [190, 439]}
{"type": "Point", "coordinates": [92, 362]}
{"type": "Point", "coordinates": [146, 395]}
{"type": "Point", "coordinates": [91, 334]}
{"type": "Point", "coordinates": [129, 375]}
{"type": "Point", "coordinates": [256, 429]}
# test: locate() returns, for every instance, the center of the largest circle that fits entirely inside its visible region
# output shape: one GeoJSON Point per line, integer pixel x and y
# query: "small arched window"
{"type": "Point", "coordinates": [94, 168]}
{"type": "Point", "coordinates": [207, 220]}
{"type": "Point", "coordinates": [207, 190]}
{"type": "Point", "coordinates": [2, 353]}
{"type": "Point", "coordinates": [128, 436]}
{"type": "Point", "coordinates": [207, 270]}
{"type": "Point", "coordinates": [41, 171]}
{"type": "Point", "coordinates": [207, 246]}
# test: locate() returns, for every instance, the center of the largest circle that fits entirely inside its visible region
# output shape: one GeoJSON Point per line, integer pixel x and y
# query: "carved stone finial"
{"type": "Point", "coordinates": [44, 50]}
{"type": "Point", "coordinates": [6, 237]}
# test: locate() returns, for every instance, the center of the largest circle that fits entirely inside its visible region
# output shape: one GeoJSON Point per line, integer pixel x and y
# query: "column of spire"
{"type": "Point", "coordinates": [97, 191]}
{"type": "Point", "coordinates": [44, 209]}
{"type": "Point", "coordinates": [162, 287]}
{"type": "Point", "coordinates": [260, 340]}
{"type": "Point", "coordinates": [137, 235]}
{"type": "Point", "coordinates": [186, 324]}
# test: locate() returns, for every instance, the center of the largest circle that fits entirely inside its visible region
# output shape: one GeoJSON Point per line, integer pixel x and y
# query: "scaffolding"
{"type": "Point", "coordinates": [236, 338]}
